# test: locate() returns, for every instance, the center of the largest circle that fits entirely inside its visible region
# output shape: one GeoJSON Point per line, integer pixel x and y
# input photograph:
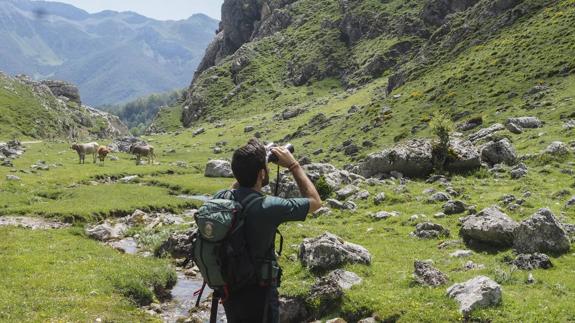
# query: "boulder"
{"type": "Point", "coordinates": [123, 144]}
{"type": "Point", "coordinates": [218, 168]}
{"type": "Point", "coordinates": [178, 245]}
{"type": "Point", "coordinates": [486, 133]}
{"type": "Point", "coordinates": [463, 156]}
{"type": "Point", "coordinates": [570, 203]}
{"type": "Point", "coordinates": [438, 197]}
{"type": "Point", "coordinates": [379, 198]}
{"type": "Point", "coordinates": [497, 152]}
{"type": "Point", "coordinates": [478, 292]}
{"type": "Point", "coordinates": [412, 158]}
{"type": "Point", "coordinates": [453, 207]}
{"type": "Point", "coordinates": [525, 122]}
{"type": "Point", "coordinates": [292, 309]}
{"type": "Point", "coordinates": [513, 128]}
{"type": "Point", "coordinates": [328, 251]}
{"type": "Point", "coordinates": [519, 171]}
{"type": "Point", "coordinates": [532, 261]}
{"type": "Point", "coordinates": [428, 230]}
{"type": "Point", "coordinates": [557, 148]}
{"type": "Point", "coordinates": [541, 233]}
{"type": "Point", "coordinates": [345, 279]}
{"type": "Point", "coordinates": [326, 293]}
{"type": "Point", "coordinates": [346, 192]}
{"type": "Point", "coordinates": [198, 131]}
{"type": "Point", "coordinates": [106, 231]}
{"type": "Point", "coordinates": [426, 274]}
{"type": "Point", "coordinates": [490, 226]}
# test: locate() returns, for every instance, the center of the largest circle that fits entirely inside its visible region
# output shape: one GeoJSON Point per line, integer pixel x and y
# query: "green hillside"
{"type": "Point", "coordinates": [29, 110]}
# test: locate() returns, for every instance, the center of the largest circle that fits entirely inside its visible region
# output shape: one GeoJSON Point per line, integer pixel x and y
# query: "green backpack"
{"type": "Point", "coordinates": [219, 248]}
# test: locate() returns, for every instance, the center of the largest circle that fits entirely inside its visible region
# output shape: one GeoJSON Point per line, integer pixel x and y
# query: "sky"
{"type": "Point", "coordinates": [157, 9]}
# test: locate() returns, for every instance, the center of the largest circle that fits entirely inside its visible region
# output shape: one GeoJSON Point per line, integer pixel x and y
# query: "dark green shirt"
{"type": "Point", "coordinates": [265, 216]}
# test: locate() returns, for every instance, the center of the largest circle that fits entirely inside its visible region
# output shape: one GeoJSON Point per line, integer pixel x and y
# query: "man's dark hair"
{"type": "Point", "coordinates": [248, 161]}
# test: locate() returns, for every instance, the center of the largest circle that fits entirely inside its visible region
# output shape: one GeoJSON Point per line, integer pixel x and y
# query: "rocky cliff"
{"type": "Point", "coordinates": [51, 109]}
{"type": "Point", "coordinates": [265, 46]}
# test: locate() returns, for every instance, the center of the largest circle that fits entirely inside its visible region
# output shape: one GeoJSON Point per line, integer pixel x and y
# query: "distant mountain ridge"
{"type": "Point", "coordinates": [113, 57]}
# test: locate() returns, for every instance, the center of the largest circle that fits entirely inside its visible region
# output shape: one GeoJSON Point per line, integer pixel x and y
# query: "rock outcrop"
{"type": "Point", "coordinates": [541, 233]}
{"type": "Point", "coordinates": [475, 293]}
{"type": "Point", "coordinates": [328, 251]}
{"type": "Point", "coordinates": [218, 168]}
{"type": "Point", "coordinates": [490, 226]}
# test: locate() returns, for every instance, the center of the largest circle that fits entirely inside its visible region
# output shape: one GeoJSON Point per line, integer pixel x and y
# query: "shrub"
{"type": "Point", "coordinates": [323, 188]}
{"type": "Point", "coordinates": [441, 126]}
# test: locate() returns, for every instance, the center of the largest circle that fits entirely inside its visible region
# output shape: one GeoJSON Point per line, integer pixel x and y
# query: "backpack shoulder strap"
{"type": "Point", "coordinates": [249, 201]}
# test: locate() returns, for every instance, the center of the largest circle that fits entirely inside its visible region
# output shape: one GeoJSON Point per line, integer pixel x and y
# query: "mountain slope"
{"type": "Point", "coordinates": [112, 57]}
{"type": "Point", "coordinates": [51, 109]}
{"type": "Point", "coordinates": [397, 62]}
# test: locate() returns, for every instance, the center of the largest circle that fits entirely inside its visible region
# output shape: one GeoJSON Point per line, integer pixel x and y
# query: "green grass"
{"type": "Point", "coordinates": [60, 275]}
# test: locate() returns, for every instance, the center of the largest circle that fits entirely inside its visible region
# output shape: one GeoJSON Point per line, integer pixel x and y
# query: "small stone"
{"type": "Point", "coordinates": [379, 198]}
{"type": "Point", "coordinates": [248, 129]}
{"type": "Point", "coordinates": [12, 178]}
{"type": "Point", "coordinates": [461, 254]}
{"type": "Point", "coordinates": [530, 279]}
{"type": "Point", "coordinates": [382, 215]}
{"type": "Point", "coordinates": [453, 207]}
{"type": "Point", "coordinates": [426, 274]}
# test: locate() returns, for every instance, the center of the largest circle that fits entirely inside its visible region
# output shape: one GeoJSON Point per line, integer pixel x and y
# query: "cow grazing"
{"type": "Point", "coordinates": [83, 149]}
{"type": "Point", "coordinates": [143, 151]}
{"type": "Point", "coordinates": [102, 153]}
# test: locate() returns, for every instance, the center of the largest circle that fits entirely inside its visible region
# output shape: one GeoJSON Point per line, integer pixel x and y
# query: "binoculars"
{"type": "Point", "coordinates": [271, 157]}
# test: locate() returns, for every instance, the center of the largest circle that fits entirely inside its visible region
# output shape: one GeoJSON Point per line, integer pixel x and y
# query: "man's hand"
{"type": "Point", "coordinates": [285, 158]}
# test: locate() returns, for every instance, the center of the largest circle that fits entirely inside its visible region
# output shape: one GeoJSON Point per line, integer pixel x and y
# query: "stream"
{"type": "Point", "coordinates": [183, 299]}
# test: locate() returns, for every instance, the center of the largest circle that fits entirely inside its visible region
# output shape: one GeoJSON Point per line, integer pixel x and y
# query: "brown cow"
{"type": "Point", "coordinates": [102, 153]}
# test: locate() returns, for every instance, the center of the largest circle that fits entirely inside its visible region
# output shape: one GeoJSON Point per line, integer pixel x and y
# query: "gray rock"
{"type": "Point", "coordinates": [453, 207]}
{"type": "Point", "coordinates": [328, 251]}
{"type": "Point", "coordinates": [350, 205]}
{"type": "Point", "coordinates": [570, 203]}
{"type": "Point", "coordinates": [464, 156]}
{"type": "Point", "coordinates": [569, 124]}
{"type": "Point", "coordinates": [218, 168]}
{"type": "Point", "coordinates": [326, 293]}
{"type": "Point", "coordinates": [497, 152]}
{"type": "Point", "coordinates": [438, 197]}
{"type": "Point", "coordinates": [292, 309]}
{"type": "Point", "coordinates": [382, 215]}
{"type": "Point", "coordinates": [106, 231]}
{"type": "Point", "coordinates": [248, 129]}
{"type": "Point", "coordinates": [346, 192]}
{"type": "Point", "coordinates": [335, 204]}
{"type": "Point", "coordinates": [321, 212]}
{"type": "Point", "coordinates": [65, 89]}
{"type": "Point", "coordinates": [379, 198]}
{"type": "Point", "coordinates": [557, 148]}
{"type": "Point", "coordinates": [426, 274]}
{"type": "Point", "coordinates": [123, 144]}
{"type": "Point", "coordinates": [513, 128]}
{"type": "Point", "coordinates": [486, 133]}
{"type": "Point", "coordinates": [368, 320]}
{"type": "Point", "coordinates": [490, 226]}
{"type": "Point", "coordinates": [461, 254]}
{"type": "Point", "coordinates": [412, 158]}
{"type": "Point", "coordinates": [217, 150]}
{"type": "Point", "coordinates": [541, 233]}
{"type": "Point", "coordinates": [362, 195]}
{"type": "Point", "coordinates": [526, 122]}
{"type": "Point", "coordinates": [198, 131]}
{"type": "Point", "coordinates": [178, 245]}
{"type": "Point", "coordinates": [129, 179]}
{"type": "Point", "coordinates": [519, 171]}
{"type": "Point", "coordinates": [478, 292]}
{"type": "Point", "coordinates": [532, 261]}
{"type": "Point", "coordinates": [470, 265]}
{"type": "Point", "coordinates": [428, 230]}
{"type": "Point", "coordinates": [13, 178]}
{"type": "Point", "coordinates": [345, 279]}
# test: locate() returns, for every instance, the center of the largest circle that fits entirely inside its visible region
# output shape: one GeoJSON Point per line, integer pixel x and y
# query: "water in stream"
{"type": "Point", "coordinates": [183, 299]}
